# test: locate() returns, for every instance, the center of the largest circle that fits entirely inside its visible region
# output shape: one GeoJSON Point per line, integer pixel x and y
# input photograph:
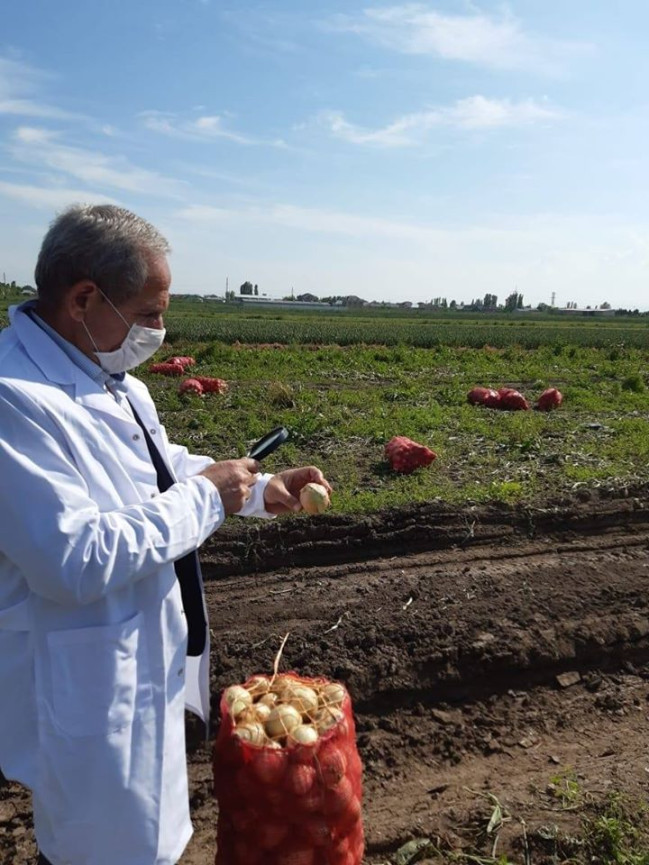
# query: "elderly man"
{"type": "Point", "coordinates": [103, 634]}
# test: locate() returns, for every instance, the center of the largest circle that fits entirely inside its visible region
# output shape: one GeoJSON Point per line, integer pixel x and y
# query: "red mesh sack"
{"type": "Point", "coordinates": [166, 368]}
{"type": "Point", "coordinates": [405, 455]}
{"type": "Point", "coordinates": [483, 396]}
{"type": "Point", "coordinates": [183, 361]}
{"type": "Point", "coordinates": [288, 783]}
{"type": "Point", "coordinates": [211, 385]}
{"type": "Point", "coordinates": [549, 399]}
{"type": "Point", "coordinates": [512, 400]}
{"type": "Point", "coordinates": [190, 385]}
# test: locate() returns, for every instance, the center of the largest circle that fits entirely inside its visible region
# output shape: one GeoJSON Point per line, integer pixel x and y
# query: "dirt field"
{"type": "Point", "coordinates": [489, 653]}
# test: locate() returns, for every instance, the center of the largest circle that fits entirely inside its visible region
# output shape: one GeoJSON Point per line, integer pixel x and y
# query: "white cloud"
{"type": "Point", "coordinates": [315, 220]}
{"type": "Point", "coordinates": [474, 112]}
{"type": "Point", "coordinates": [44, 149]}
{"type": "Point", "coordinates": [49, 198]}
{"type": "Point", "coordinates": [19, 83]}
{"type": "Point", "coordinates": [208, 127]}
{"type": "Point", "coordinates": [499, 43]}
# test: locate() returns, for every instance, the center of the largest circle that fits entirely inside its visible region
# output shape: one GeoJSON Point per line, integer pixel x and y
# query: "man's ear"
{"type": "Point", "coordinates": [80, 298]}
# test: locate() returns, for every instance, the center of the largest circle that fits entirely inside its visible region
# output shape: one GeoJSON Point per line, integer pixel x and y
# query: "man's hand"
{"type": "Point", "coordinates": [233, 479]}
{"type": "Point", "coordinates": [282, 492]}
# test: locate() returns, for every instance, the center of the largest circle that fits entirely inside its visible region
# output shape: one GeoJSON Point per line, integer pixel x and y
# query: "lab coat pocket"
{"type": "Point", "coordinates": [95, 673]}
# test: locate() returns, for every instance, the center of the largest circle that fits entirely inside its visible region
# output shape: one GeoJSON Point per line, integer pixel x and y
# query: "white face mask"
{"type": "Point", "coordinates": [139, 345]}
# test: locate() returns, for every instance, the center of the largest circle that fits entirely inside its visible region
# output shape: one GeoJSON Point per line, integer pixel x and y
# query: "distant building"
{"type": "Point", "coordinates": [597, 312]}
{"type": "Point", "coordinates": [283, 304]}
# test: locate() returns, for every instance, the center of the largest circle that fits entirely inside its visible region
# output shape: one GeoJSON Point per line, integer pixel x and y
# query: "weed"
{"type": "Point", "coordinates": [565, 788]}
{"type": "Point", "coordinates": [618, 832]}
{"type": "Point", "coordinates": [634, 383]}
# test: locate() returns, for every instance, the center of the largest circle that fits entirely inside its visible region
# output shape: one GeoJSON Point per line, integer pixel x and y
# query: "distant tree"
{"type": "Point", "coordinates": [229, 295]}
{"type": "Point", "coordinates": [256, 290]}
{"type": "Point", "coordinates": [246, 288]}
{"type": "Point", "coordinates": [512, 302]}
{"type": "Point", "coordinates": [605, 305]}
{"type": "Point", "coordinates": [490, 301]}
{"type": "Point", "coordinates": [453, 304]}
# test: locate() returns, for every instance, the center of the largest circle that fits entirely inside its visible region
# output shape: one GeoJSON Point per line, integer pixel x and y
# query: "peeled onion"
{"type": "Point", "coordinates": [236, 692]}
{"type": "Point", "coordinates": [305, 734]}
{"type": "Point", "coordinates": [339, 798]}
{"type": "Point", "coordinates": [239, 708]}
{"type": "Point", "coordinates": [327, 718]}
{"type": "Point", "coordinates": [304, 699]}
{"type": "Point", "coordinates": [314, 498]}
{"type": "Point", "coordinates": [300, 778]}
{"type": "Point", "coordinates": [252, 732]}
{"type": "Point", "coordinates": [282, 685]}
{"type": "Point", "coordinates": [262, 712]}
{"type": "Point", "coordinates": [332, 694]}
{"type": "Point", "coordinates": [333, 765]}
{"type": "Point", "coordinates": [257, 686]}
{"type": "Point", "coordinates": [269, 765]}
{"type": "Point", "coordinates": [282, 720]}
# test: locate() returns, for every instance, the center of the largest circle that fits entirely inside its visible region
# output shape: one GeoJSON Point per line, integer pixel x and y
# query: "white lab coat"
{"type": "Point", "coordinates": [92, 632]}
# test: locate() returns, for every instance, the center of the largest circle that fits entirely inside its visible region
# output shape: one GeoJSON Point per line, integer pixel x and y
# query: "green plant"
{"type": "Point", "coordinates": [634, 383]}
{"type": "Point", "coordinates": [565, 788]}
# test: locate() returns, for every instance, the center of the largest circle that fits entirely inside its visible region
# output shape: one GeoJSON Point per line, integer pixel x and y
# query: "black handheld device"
{"type": "Point", "coordinates": [268, 443]}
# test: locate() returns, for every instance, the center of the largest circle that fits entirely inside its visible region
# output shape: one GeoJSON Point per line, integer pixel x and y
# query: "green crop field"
{"type": "Point", "coordinates": [229, 323]}
{"type": "Point", "coordinates": [342, 404]}
{"type": "Point", "coordinates": [345, 382]}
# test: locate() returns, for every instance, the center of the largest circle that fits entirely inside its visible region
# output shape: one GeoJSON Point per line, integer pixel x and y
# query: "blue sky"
{"type": "Point", "coordinates": [399, 151]}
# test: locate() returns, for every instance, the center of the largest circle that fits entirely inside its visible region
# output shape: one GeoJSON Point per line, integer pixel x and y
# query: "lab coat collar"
{"type": "Point", "coordinates": [57, 367]}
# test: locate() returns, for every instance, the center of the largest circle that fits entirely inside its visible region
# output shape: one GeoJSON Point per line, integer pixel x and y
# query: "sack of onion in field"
{"type": "Point", "coordinates": [549, 399]}
{"type": "Point", "coordinates": [484, 396]}
{"type": "Point", "coordinates": [512, 400]}
{"type": "Point", "coordinates": [287, 774]}
{"type": "Point", "coordinates": [405, 455]}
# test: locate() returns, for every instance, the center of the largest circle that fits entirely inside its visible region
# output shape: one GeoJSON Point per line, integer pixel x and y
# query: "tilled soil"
{"type": "Point", "coordinates": [487, 651]}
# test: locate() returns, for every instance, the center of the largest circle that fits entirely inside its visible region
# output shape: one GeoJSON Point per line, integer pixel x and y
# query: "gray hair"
{"type": "Point", "coordinates": [106, 244]}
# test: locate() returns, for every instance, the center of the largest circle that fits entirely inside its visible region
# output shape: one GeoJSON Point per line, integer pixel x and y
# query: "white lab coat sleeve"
{"type": "Point", "coordinates": [186, 465]}
{"type": "Point", "coordinates": [255, 506]}
{"type": "Point", "coordinates": [68, 550]}
{"type": "Point", "coordinates": [183, 464]}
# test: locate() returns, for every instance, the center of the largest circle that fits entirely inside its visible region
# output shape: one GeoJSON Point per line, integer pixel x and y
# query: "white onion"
{"type": "Point", "coordinates": [236, 692]}
{"type": "Point", "coordinates": [251, 732]}
{"type": "Point", "coordinates": [314, 498]}
{"type": "Point", "coordinates": [304, 699]}
{"type": "Point", "coordinates": [305, 734]}
{"type": "Point", "coordinates": [257, 686]}
{"type": "Point", "coordinates": [268, 700]}
{"type": "Point", "coordinates": [332, 694]}
{"type": "Point", "coordinates": [327, 718]}
{"type": "Point", "coordinates": [239, 708]}
{"type": "Point", "coordinates": [282, 720]}
{"type": "Point", "coordinates": [261, 712]}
